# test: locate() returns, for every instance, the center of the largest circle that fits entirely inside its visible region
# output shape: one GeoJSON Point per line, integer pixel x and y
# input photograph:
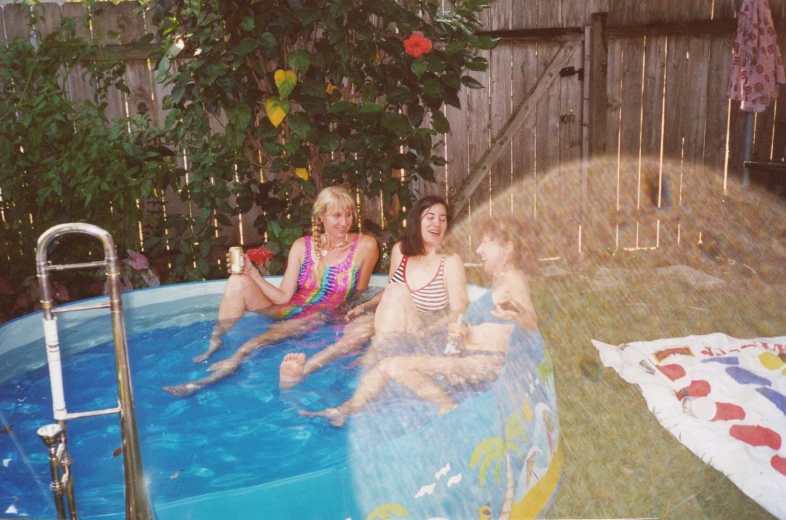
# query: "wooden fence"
{"type": "Point", "coordinates": [638, 82]}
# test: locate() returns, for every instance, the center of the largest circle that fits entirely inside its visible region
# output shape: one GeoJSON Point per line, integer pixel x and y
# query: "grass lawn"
{"type": "Point", "coordinates": [619, 461]}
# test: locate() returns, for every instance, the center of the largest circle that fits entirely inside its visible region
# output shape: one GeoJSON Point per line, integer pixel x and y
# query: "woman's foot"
{"type": "Point", "coordinates": [291, 370]}
{"type": "Point", "coordinates": [335, 416]}
{"type": "Point", "coordinates": [183, 390]}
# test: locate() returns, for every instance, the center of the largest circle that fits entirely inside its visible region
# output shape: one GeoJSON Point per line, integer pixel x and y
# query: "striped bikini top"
{"type": "Point", "coordinates": [431, 297]}
{"type": "Point", "coordinates": [313, 294]}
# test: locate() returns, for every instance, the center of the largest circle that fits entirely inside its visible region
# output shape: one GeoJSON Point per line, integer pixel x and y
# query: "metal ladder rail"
{"type": "Point", "coordinates": [54, 436]}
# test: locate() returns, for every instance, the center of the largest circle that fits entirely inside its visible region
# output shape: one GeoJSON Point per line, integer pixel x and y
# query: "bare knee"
{"type": "Point", "coordinates": [242, 288]}
{"type": "Point", "coordinates": [392, 367]}
{"type": "Point", "coordinates": [395, 294]}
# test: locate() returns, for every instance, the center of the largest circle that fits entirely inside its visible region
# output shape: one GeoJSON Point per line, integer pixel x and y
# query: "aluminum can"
{"type": "Point", "coordinates": [237, 263]}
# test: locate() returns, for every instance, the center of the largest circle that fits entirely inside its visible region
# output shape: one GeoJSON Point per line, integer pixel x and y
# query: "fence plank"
{"type": "Point", "coordinates": [598, 88]}
{"type": "Point", "coordinates": [479, 136]}
{"type": "Point", "coordinates": [500, 15]}
{"type": "Point", "coordinates": [501, 87]}
{"type": "Point", "coordinates": [549, 197]}
{"type": "Point", "coordinates": [106, 29]}
{"type": "Point", "coordinates": [525, 64]}
{"type": "Point", "coordinates": [549, 14]}
{"type": "Point", "coordinates": [137, 76]}
{"type": "Point", "coordinates": [48, 19]}
{"type": "Point", "coordinates": [630, 138]}
{"type": "Point", "coordinates": [17, 21]}
{"type": "Point", "coordinates": [694, 119]}
{"type": "Point", "coordinates": [678, 92]}
{"type": "Point", "coordinates": [575, 13]}
{"type": "Point", "coordinates": [724, 9]}
{"type": "Point", "coordinates": [651, 188]}
{"type": "Point", "coordinates": [652, 110]}
{"type": "Point", "coordinates": [525, 14]}
{"type": "Point", "coordinates": [570, 141]}
{"type": "Point", "coordinates": [456, 146]}
{"type": "Point", "coordinates": [717, 102]}
{"type": "Point", "coordinates": [603, 184]}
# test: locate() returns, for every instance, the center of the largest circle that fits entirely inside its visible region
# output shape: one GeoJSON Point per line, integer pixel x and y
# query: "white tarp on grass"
{"type": "Point", "coordinates": [724, 398]}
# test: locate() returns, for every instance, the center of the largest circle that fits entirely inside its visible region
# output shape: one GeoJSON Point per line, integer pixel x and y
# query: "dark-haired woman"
{"type": "Point", "coordinates": [426, 288]}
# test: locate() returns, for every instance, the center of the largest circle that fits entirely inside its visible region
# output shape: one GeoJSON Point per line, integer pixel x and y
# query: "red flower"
{"type": "Point", "coordinates": [259, 255]}
{"type": "Point", "coordinates": [416, 45]}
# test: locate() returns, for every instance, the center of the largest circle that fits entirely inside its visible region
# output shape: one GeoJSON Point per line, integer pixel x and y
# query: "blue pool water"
{"type": "Point", "coordinates": [240, 441]}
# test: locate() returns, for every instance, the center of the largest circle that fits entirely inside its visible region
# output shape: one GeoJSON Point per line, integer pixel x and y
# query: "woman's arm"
{"type": "Point", "coordinates": [456, 287]}
{"type": "Point", "coordinates": [513, 301]}
{"type": "Point", "coordinates": [366, 259]}
{"type": "Point", "coordinates": [371, 303]}
{"type": "Point", "coordinates": [283, 293]}
{"type": "Point", "coordinates": [456, 284]}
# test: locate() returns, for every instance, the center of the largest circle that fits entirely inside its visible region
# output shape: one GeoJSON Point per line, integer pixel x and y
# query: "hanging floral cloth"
{"type": "Point", "coordinates": [757, 65]}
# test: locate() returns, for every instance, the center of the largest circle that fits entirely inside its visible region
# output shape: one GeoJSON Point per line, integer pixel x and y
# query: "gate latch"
{"type": "Point", "coordinates": [570, 71]}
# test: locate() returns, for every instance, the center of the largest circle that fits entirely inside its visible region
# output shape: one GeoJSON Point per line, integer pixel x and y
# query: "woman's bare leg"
{"type": "Point", "coordinates": [396, 312]}
{"type": "Point", "coordinates": [416, 373]}
{"type": "Point", "coordinates": [402, 369]}
{"type": "Point", "coordinates": [295, 367]}
{"type": "Point", "coordinates": [241, 294]}
{"type": "Point", "coordinates": [221, 369]}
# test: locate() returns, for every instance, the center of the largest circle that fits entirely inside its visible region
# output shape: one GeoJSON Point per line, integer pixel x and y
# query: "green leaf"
{"type": "Point", "coordinates": [204, 248]}
{"type": "Point", "coordinates": [162, 70]}
{"type": "Point", "coordinates": [246, 46]}
{"type": "Point", "coordinates": [456, 46]}
{"type": "Point", "coordinates": [308, 16]}
{"type": "Point", "coordinates": [299, 61]}
{"type": "Point", "coordinates": [369, 108]}
{"type": "Point", "coordinates": [484, 42]}
{"type": "Point", "coordinates": [432, 87]}
{"type": "Point", "coordinates": [471, 82]}
{"type": "Point", "coordinates": [396, 123]}
{"type": "Point", "coordinates": [419, 66]}
{"type": "Point", "coordinates": [435, 62]}
{"type": "Point", "coordinates": [343, 106]}
{"type": "Point", "coordinates": [247, 23]}
{"type": "Point", "coordinates": [440, 123]}
{"type": "Point", "coordinates": [400, 94]}
{"type": "Point", "coordinates": [203, 267]}
{"type": "Point", "coordinates": [299, 125]}
{"type": "Point", "coordinates": [329, 142]}
{"type": "Point", "coordinates": [268, 41]}
{"type": "Point", "coordinates": [240, 115]}
{"type": "Point", "coordinates": [273, 228]}
{"type": "Point", "coordinates": [415, 114]}
{"type": "Point", "coordinates": [478, 63]}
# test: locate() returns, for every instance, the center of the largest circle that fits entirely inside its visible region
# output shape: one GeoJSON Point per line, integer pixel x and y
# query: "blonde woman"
{"type": "Point", "coordinates": [323, 271]}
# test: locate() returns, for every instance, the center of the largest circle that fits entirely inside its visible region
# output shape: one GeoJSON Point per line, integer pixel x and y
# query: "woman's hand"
{"type": "Point", "coordinates": [458, 328]}
{"type": "Point", "coordinates": [507, 310]}
{"type": "Point", "coordinates": [356, 312]}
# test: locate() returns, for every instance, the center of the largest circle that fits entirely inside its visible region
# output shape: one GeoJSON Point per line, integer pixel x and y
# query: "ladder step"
{"type": "Point", "coordinates": [60, 310]}
{"type": "Point", "coordinates": [84, 265]}
{"type": "Point", "coordinates": [80, 415]}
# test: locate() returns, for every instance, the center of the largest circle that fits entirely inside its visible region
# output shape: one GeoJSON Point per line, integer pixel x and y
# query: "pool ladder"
{"type": "Point", "coordinates": [54, 435]}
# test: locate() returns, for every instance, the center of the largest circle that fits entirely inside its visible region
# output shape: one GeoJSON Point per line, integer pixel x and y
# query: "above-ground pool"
{"type": "Point", "coordinates": [239, 448]}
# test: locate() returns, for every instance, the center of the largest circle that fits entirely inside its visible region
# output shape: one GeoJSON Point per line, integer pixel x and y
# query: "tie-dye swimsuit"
{"type": "Point", "coordinates": [313, 295]}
